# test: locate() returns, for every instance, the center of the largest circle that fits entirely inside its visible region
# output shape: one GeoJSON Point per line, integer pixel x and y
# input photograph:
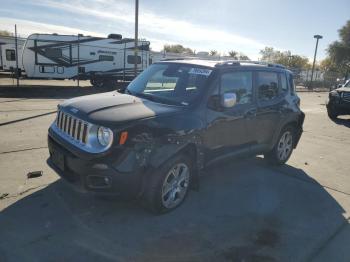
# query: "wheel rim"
{"type": "Point", "coordinates": [175, 185]}
{"type": "Point", "coordinates": [285, 145]}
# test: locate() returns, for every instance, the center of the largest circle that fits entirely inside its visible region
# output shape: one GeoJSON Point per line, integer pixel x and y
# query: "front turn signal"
{"type": "Point", "coordinates": [123, 137]}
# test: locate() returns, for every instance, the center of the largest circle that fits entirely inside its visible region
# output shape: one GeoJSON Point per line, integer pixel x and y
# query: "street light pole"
{"type": "Point", "coordinates": [318, 37]}
{"type": "Point", "coordinates": [136, 35]}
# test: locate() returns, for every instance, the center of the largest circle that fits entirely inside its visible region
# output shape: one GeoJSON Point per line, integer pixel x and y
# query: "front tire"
{"type": "Point", "coordinates": [332, 111]}
{"type": "Point", "coordinates": [168, 187]}
{"type": "Point", "coordinates": [283, 149]}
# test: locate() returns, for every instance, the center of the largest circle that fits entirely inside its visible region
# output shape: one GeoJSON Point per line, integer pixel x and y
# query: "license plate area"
{"type": "Point", "coordinates": [58, 159]}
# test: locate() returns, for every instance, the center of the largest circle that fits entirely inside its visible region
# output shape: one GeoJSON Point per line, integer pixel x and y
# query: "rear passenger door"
{"type": "Point", "coordinates": [269, 105]}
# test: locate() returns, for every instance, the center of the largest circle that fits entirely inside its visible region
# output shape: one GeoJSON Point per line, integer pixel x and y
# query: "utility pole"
{"type": "Point", "coordinates": [16, 54]}
{"type": "Point", "coordinates": [78, 63]}
{"type": "Point", "coordinates": [318, 37]}
{"type": "Point", "coordinates": [136, 35]}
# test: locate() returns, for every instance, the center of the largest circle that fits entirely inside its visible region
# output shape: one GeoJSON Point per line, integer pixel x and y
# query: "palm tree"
{"type": "Point", "coordinates": [233, 54]}
{"type": "Point", "coordinates": [213, 52]}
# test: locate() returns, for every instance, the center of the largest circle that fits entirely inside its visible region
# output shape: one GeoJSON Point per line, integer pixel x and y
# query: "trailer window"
{"type": "Point", "coordinates": [53, 52]}
{"type": "Point", "coordinates": [131, 59]}
{"type": "Point", "coordinates": [106, 58]}
{"type": "Point", "coordinates": [10, 55]}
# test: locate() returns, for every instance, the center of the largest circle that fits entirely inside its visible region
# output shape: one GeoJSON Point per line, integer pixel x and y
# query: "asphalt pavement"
{"type": "Point", "coordinates": [244, 210]}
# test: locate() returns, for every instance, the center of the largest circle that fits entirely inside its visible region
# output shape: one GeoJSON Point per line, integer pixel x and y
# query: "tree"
{"type": "Point", "coordinates": [269, 54]}
{"type": "Point", "coordinates": [213, 52]}
{"type": "Point", "coordinates": [233, 54]}
{"type": "Point", "coordinates": [339, 51]}
{"type": "Point", "coordinates": [178, 49]}
{"type": "Point", "coordinates": [243, 57]}
{"type": "Point", "coordinates": [5, 33]}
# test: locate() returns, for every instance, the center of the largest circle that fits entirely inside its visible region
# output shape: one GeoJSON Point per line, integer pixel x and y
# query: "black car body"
{"type": "Point", "coordinates": [189, 115]}
{"type": "Point", "coordinates": [339, 101]}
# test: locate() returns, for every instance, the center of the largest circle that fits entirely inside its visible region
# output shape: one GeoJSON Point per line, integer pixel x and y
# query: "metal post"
{"type": "Point", "coordinates": [16, 54]}
{"type": "Point", "coordinates": [313, 64]}
{"type": "Point", "coordinates": [78, 65]}
{"type": "Point", "coordinates": [136, 35]}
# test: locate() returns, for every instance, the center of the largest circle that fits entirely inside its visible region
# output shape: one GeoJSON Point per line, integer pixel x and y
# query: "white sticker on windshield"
{"type": "Point", "coordinates": [200, 71]}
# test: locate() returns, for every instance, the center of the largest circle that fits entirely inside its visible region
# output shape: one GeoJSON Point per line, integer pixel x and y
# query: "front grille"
{"type": "Point", "coordinates": [72, 126]}
{"type": "Point", "coordinates": [346, 96]}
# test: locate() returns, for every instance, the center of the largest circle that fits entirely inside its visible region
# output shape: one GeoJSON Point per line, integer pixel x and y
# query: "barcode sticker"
{"type": "Point", "coordinates": [200, 71]}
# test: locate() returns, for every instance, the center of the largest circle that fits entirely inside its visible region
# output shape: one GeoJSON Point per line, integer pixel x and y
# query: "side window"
{"type": "Point", "coordinates": [240, 83]}
{"type": "Point", "coordinates": [131, 59]}
{"type": "Point", "coordinates": [106, 58]}
{"type": "Point", "coordinates": [267, 85]}
{"type": "Point", "coordinates": [284, 83]}
{"type": "Point", "coordinates": [291, 83]}
{"type": "Point", "coordinates": [53, 52]}
{"type": "Point", "coordinates": [10, 55]}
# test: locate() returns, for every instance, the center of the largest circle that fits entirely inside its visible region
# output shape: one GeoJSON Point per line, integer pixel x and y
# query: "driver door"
{"type": "Point", "coordinates": [228, 131]}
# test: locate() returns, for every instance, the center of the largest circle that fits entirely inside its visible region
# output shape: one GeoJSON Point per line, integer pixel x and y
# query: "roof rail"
{"type": "Point", "coordinates": [239, 62]}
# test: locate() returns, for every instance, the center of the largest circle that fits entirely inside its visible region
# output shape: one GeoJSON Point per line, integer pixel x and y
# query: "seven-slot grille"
{"type": "Point", "coordinates": [74, 127]}
{"type": "Point", "coordinates": [346, 96]}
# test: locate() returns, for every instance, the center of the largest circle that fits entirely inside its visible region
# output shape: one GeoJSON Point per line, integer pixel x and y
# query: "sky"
{"type": "Point", "coordinates": [242, 25]}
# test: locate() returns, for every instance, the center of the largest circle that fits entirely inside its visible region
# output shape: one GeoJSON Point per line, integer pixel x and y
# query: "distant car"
{"type": "Point", "coordinates": [339, 101]}
{"type": "Point", "coordinates": [175, 119]}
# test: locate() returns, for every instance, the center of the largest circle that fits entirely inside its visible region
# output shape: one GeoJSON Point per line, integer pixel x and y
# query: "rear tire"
{"type": "Point", "coordinates": [283, 149]}
{"type": "Point", "coordinates": [168, 187]}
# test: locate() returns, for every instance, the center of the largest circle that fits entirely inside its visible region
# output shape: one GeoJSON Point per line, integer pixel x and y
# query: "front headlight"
{"type": "Point", "coordinates": [105, 136]}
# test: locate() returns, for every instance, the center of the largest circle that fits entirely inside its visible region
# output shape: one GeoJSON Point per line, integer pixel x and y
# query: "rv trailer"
{"type": "Point", "coordinates": [4, 41]}
{"type": "Point", "coordinates": [8, 57]}
{"type": "Point", "coordinates": [103, 61]}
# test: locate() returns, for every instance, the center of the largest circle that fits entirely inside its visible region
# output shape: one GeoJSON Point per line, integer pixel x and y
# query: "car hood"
{"type": "Point", "coordinates": [112, 108]}
{"type": "Point", "coordinates": [343, 89]}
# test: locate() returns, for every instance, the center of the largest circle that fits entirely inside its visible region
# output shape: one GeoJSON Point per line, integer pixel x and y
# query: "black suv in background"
{"type": "Point", "coordinates": [173, 120]}
{"type": "Point", "coordinates": [339, 101]}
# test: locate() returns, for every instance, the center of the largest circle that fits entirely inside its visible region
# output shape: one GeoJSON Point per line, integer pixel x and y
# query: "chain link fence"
{"type": "Point", "coordinates": [321, 80]}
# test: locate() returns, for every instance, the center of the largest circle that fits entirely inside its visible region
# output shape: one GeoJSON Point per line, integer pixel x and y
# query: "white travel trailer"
{"type": "Point", "coordinates": [102, 60]}
{"type": "Point", "coordinates": [8, 57]}
{"type": "Point", "coordinates": [8, 42]}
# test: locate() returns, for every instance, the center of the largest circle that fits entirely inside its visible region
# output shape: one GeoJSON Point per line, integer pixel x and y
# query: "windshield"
{"type": "Point", "coordinates": [347, 83]}
{"type": "Point", "coordinates": [170, 83]}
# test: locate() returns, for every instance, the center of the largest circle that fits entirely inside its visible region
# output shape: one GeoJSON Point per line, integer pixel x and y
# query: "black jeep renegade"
{"type": "Point", "coordinates": [339, 101]}
{"type": "Point", "coordinates": [173, 120]}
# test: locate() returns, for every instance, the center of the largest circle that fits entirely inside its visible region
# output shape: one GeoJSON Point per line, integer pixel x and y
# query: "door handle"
{"type": "Point", "coordinates": [250, 113]}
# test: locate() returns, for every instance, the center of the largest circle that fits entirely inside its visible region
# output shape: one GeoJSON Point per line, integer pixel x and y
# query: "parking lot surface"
{"type": "Point", "coordinates": [244, 210]}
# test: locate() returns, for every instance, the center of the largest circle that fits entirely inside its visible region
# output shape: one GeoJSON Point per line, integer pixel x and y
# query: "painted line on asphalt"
{"type": "Point", "coordinates": [26, 118]}
{"type": "Point", "coordinates": [22, 150]}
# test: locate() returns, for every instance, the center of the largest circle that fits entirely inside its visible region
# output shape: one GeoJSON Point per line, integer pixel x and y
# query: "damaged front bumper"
{"type": "Point", "coordinates": [116, 173]}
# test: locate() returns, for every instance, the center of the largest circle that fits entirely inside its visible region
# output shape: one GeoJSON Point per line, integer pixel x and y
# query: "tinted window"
{"type": "Point", "coordinates": [106, 58]}
{"type": "Point", "coordinates": [131, 59]}
{"type": "Point", "coordinates": [284, 83]}
{"type": "Point", "coordinates": [10, 55]}
{"type": "Point", "coordinates": [240, 83]}
{"type": "Point", "coordinates": [53, 52]}
{"type": "Point", "coordinates": [291, 83]}
{"type": "Point", "coordinates": [267, 85]}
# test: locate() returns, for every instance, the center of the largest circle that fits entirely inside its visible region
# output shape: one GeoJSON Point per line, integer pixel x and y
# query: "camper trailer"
{"type": "Point", "coordinates": [8, 57]}
{"type": "Point", "coordinates": [101, 60]}
{"type": "Point", "coordinates": [8, 42]}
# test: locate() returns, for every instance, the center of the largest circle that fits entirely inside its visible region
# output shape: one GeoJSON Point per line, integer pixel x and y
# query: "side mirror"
{"type": "Point", "coordinates": [228, 100]}
{"type": "Point", "coordinates": [339, 85]}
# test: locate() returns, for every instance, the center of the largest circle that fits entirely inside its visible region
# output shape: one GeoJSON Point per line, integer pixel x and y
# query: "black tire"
{"type": "Point", "coordinates": [153, 197]}
{"type": "Point", "coordinates": [97, 83]}
{"type": "Point", "coordinates": [332, 111]}
{"type": "Point", "coordinates": [276, 156]}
